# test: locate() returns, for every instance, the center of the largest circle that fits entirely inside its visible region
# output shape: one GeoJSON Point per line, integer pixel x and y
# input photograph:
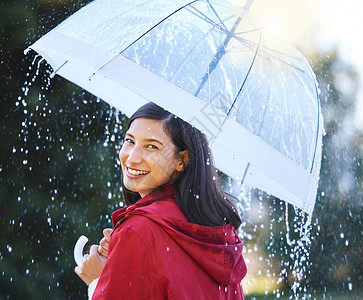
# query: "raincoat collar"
{"type": "Point", "coordinates": [161, 193]}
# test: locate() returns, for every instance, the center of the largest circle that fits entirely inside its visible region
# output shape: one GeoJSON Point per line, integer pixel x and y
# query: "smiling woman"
{"type": "Point", "coordinates": [176, 238]}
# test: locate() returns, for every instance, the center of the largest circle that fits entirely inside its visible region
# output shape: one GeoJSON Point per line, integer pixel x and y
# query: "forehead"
{"type": "Point", "coordinates": [148, 128]}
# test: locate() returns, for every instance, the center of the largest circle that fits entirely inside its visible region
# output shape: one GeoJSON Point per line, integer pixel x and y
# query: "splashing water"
{"type": "Point", "coordinates": [277, 240]}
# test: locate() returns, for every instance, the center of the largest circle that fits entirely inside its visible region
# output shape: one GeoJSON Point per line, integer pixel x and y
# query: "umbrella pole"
{"type": "Point", "coordinates": [248, 4]}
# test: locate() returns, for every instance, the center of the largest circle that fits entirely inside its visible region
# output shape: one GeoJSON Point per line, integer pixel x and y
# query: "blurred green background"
{"type": "Point", "coordinates": [59, 178]}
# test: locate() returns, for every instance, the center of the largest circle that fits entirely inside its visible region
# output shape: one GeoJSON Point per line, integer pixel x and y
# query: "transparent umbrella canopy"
{"type": "Point", "coordinates": [210, 64]}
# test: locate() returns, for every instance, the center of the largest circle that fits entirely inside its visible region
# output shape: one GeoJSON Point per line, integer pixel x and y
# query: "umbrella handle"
{"type": "Point", "coordinates": [78, 249]}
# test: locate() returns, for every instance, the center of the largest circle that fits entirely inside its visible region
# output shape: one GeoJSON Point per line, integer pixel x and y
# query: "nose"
{"type": "Point", "coordinates": [132, 156]}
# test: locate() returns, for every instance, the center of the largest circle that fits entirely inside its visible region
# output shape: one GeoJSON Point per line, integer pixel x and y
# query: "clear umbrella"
{"type": "Point", "coordinates": [207, 62]}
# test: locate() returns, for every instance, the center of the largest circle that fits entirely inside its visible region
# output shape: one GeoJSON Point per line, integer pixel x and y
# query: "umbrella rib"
{"type": "Point", "coordinates": [220, 20]}
{"type": "Point", "coordinates": [208, 20]}
{"type": "Point", "coordinates": [242, 85]}
{"type": "Point", "coordinates": [180, 8]}
{"type": "Point", "coordinates": [246, 43]}
{"type": "Point", "coordinates": [317, 128]}
{"type": "Point", "coordinates": [218, 56]}
{"type": "Point", "coordinates": [55, 71]}
{"type": "Point", "coordinates": [245, 173]}
{"type": "Point", "coordinates": [285, 62]}
{"type": "Point", "coordinates": [146, 32]}
{"type": "Point", "coordinates": [244, 81]}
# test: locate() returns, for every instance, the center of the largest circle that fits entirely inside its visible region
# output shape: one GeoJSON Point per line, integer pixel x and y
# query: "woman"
{"type": "Point", "coordinates": [176, 238]}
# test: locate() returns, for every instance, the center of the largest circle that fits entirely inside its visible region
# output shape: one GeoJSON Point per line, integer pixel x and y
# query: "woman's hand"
{"type": "Point", "coordinates": [93, 263]}
{"type": "Point", "coordinates": [103, 246]}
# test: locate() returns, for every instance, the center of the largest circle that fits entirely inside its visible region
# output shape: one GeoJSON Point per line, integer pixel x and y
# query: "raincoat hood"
{"type": "Point", "coordinates": [218, 251]}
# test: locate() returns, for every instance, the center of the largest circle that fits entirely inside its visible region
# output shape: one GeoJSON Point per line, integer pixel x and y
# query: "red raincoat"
{"type": "Point", "coordinates": [155, 253]}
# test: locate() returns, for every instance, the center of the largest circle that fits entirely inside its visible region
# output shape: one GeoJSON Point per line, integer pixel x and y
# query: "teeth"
{"type": "Point", "coordinates": [135, 172]}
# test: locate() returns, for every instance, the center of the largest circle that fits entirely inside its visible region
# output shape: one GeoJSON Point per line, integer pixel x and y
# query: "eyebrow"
{"type": "Point", "coordinates": [147, 140]}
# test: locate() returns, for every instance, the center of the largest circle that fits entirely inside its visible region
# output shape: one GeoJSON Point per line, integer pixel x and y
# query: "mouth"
{"type": "Point", "coordinates": [134, 173]}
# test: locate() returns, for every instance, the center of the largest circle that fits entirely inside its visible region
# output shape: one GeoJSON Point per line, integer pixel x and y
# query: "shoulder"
{"type": "Point", "coordinates": [137, 225]}
{"type": "Point", "coordinates": [141, 229]}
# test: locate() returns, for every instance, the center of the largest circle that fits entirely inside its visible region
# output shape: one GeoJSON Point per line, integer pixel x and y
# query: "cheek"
{"type": "Point", "coordinates": [164, 164]}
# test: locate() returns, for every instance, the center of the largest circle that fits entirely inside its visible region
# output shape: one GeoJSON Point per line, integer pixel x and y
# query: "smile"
{"type": "Point", "coordinates": [136, 172]}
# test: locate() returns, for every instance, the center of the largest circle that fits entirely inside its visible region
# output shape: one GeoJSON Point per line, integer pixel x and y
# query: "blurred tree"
{"type": "Point", "coordinates": [336, 253]}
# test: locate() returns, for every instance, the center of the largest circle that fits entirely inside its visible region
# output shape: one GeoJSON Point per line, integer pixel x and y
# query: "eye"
{"type": "Point", "coordinates": [128, 140]}
{"type": "Point", "coordinates": [150, 146]}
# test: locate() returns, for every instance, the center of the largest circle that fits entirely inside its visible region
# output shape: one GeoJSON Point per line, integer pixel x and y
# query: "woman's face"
{"type": "Point", "coordinates": [148, 157]}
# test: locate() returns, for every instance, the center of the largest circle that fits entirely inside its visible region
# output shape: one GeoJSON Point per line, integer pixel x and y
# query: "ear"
{"type": "Point", "coordinates": [183, 159]}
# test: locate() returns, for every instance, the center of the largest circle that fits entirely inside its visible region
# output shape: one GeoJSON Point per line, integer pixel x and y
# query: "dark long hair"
{"type": "Point", "coordinates": [197, 189]}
